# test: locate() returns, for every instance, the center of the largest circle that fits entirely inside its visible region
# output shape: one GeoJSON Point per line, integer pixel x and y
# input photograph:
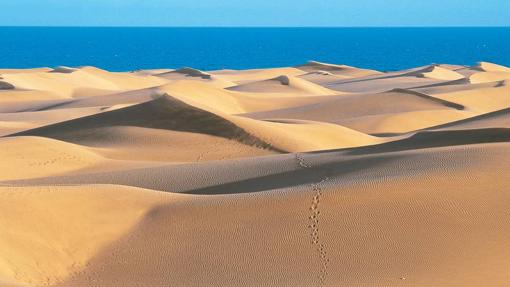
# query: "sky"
{"type": "Point", "coordinates": [255, 13]}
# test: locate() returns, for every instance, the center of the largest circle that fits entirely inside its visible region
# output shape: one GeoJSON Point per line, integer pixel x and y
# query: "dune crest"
{"type": "Point", "coordinates": [439, 73]}
{"type": "Point", "coordinates": [284, 84]}
{"type": "Point", "coordinates": [337, 69]}
{"type": "Point", "coordinates": [491, 67]}
{"type": "Point", "coordinates": [193, 73]}
{"type": "Point", "coordinates": [186, 71]}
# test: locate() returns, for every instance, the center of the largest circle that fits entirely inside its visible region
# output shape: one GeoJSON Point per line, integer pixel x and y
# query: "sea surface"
{"type": "Point", "coordinates": [124, 49]}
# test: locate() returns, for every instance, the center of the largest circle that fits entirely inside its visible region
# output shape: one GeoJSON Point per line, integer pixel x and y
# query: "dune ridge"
{"type": "Point", "coordinates": [313, 175]}
{"type": "Point", "coordinates": [164, 112]}
{"type": "Point", "coordinates": [343, 70]}
{"type": "Point", "coordinates": [284, 84]}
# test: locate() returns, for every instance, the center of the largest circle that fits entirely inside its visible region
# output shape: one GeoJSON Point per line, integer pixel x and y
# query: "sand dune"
{"type": "Point", "coordinates": [412, 78]}
{"type": "Point", "coordinates": [220, 100]}
{"type": "Point", "coordinates": [244, 76]}
{"type": "Point", "coordinates": [27, 157]}
{"type": "Point", "coordinates": [362, 105]}
{"type": "Point", "coordinates": [344, 70]}
{"type": "Point", "coordinates": [322, 78]}
{"type": "Point", "coordinates": [284, 84]}
{"type": "Point", "coordinates": [66, 229]}
{"type": "Point", "coordinates": [486, 99]}
{"type": "Point", "coordinates": [439, 73]}
{"type": "Point", "coordinates": [485, 72]}
{"type": "Point", "coordinates": [16, 71]}
{"type": "Point", "coordinates": [70, 84]}
{"type": "Point", "coordinates": [20, 121]}
{"type": "Point", "coordinates": [163, 112]}
{"type": "Point", "coordinates": [403, 122]}
{"type": "Point", "coordinates": [380, 247]}
{"type": "Point", "coordinates": [380, 84]}
{"type": "Point", "coordinates": [302, 136]}
{"type": "Point", "coordinates": [497, 119]}
{"type": "Point", "coordinates": [191, 74]}
{"type": "Point", "coordinates": [187, 72]}
{"type": "Point", "coordinates": [487, 77]}
{"type": "Point", "coordinates": [491, 67]}
{"type": "Point", "coordinates": [451, 67]}
{"type": "Point", "coordinates": [313, 175]}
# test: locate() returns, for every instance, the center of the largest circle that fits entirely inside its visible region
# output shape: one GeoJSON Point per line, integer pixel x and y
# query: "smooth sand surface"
{"type": "Point", "coordinates": [313, 175]}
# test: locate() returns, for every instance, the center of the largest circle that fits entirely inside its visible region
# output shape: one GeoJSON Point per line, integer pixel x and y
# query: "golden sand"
{"type": "Point", "coordinates": [313, 175]}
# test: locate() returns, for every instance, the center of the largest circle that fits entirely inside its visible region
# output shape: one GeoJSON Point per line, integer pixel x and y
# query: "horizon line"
{"type": "Point", "coordinates": [220, 26]}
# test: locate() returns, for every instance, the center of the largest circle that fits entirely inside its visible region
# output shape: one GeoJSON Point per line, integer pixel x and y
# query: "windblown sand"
{"type": "Point", "coordinates": [314, 175]}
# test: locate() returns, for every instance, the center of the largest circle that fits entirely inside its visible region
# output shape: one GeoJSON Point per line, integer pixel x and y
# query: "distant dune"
{"type": "Point", "coordinates": [283, 84]}
{"type": "Point", "coordinates": [313, 175]}
{"type": "Point", "coordinates": [437, 72]}
{"type": "Point", "coordinates": [343, 70]}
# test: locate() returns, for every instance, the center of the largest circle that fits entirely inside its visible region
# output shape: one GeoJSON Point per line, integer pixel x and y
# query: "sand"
{"type": "Point", "coordinates": [313, 175]}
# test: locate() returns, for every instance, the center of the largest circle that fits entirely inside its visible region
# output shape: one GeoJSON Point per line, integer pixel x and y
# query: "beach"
{"type": "Point", "coordinates": [316, 174]}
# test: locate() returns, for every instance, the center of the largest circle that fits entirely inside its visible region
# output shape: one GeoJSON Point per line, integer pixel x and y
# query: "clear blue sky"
{"type": "Point", "coordinates": [255, 13]}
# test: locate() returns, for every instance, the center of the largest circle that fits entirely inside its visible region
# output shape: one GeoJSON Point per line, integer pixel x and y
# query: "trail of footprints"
{"type": "Point", "coordinates": [59, 156]}
{"type": "Point", "coordinates": [314, 222]}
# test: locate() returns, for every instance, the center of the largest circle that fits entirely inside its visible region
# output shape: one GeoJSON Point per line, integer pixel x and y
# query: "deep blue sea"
{"type": "Point", "coordinates": [123, 49]}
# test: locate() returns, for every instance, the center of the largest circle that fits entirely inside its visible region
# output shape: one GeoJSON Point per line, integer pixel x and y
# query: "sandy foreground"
{"type": "Point", "coordinates": [314, 175]}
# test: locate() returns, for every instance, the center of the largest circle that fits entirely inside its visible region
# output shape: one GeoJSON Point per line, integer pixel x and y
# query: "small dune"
{"type": "Point", "coordinates": [497, 119]}
{"type": "Point", "coordinates": [488, 77]}
{"type": "Point", "coordinates": [485, 98]}
{"type": "Point", "coordinates": [302, 136]}
{"type": "Point", "coordinates": [491, 67]}
{"type": "Point", "coordinates": [485, 72]}
{"type": "Point", "coordinates": [438, 73]}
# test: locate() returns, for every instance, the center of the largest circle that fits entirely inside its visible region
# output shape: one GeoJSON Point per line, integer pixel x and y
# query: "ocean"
{"type": "Point", "coordinates": [124, 49]}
